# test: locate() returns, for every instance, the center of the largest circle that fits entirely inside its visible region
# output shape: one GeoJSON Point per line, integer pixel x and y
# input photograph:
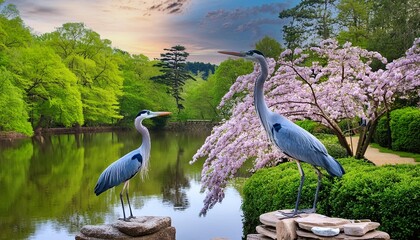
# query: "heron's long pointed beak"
{"type": "Point", "coordinates": [237, 54]}
{"type": "Point", "coordinates": [159, 114]}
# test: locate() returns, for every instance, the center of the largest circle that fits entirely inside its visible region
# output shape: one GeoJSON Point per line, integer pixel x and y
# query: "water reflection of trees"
{"type": "Point", "coordinates": [52, 180]}
{"type": "Point", "coordinates": [175, 184]}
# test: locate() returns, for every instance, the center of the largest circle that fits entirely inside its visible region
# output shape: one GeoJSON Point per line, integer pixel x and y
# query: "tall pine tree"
{"type": "Point", "coordinates": [174, 72]}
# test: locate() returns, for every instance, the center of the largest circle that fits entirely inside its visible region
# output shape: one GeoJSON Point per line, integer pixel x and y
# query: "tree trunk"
{"type": "Point", "coordinates": [365, 138]}
{"type": "Point", "coordinates": [343, 142]}
{"type": "Point", "coordinates": [341, 137]}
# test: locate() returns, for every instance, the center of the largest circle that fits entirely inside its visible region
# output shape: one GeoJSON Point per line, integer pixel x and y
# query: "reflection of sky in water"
{"type": "Point", "coordinates": [224, 220]}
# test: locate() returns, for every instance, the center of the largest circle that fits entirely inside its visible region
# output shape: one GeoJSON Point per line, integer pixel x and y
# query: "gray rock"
{"type": "Point", "coordinates": [360, 229]}
{"type": "Point", "coordinates": [164, 234]}
{"type": "Point", "coordinates": [325, 231]}
{"type": "Point", "coordinates": [141, 226]}
{"type": "Point", "coordinates": [100, 232]}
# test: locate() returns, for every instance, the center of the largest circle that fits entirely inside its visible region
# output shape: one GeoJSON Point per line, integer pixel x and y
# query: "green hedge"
{"type": "Point", "coordinates": [405, 129]}
{"type": "Point", "coordinates": [388, 195]}
{"type": "Point", "coordinates": [381, 133]}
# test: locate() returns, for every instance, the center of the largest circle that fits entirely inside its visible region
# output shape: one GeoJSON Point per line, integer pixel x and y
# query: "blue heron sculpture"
{"type": "Point", "coordinates": [291, 139]}
{"type": "Point", "coordinates": [125, 168]}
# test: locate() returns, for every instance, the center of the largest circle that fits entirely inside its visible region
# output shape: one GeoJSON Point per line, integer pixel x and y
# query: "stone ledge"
{"type": "Point", "coordinates": [280, 228]}
{"type": "Point", "coordinates": [141, 228]}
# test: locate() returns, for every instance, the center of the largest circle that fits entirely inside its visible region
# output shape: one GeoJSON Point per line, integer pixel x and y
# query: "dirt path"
{"type": "Point", "coordinates": [379, 158]}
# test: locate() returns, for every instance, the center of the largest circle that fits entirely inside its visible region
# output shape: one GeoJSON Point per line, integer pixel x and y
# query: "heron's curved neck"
{"type": "Point", "coordinates": [146, 144]}
{"type": "Point", "coordinates": [260, 104]}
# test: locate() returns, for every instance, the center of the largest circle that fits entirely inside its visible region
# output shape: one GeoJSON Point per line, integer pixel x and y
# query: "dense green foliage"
{"type": "Point", "coordinates": [203, 97]}
{"type": "Point", "coordinates": [73, 77]}
{"type": "Point", "coordinates": [386, 26]}
{"type": "Point", "coordinates": [387, 194]}
{"type": "Point", "coordinates": [14, 114]}
{"type": "Point", "coordinates": [381, 135]}
{"type": "Point", "coordinates": [270, 47]}
{"type": "Point", "coordinates": [201, 69]}
{"type": "Point", "coordinates": [404, 129]}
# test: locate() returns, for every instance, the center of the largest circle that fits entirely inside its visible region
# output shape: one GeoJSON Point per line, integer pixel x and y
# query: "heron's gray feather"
{"type": "Point", "coordinates": [119, 171]}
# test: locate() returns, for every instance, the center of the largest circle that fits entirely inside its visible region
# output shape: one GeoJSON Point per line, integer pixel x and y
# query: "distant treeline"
{"type": "Point", "coordinates": [197, 68]}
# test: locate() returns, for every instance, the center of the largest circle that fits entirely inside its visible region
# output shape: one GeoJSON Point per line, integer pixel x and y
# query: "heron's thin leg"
{"type": "Point", "coordinates": [302, 179]}
{"type": "Point", "coordinates": [121, 198]}
{"type": "Point", "coordinates": [122, 204]}
{"type": "Point", "coordinates": [318, 172]}
{"type": "Point", "coordinates": [128, 200]}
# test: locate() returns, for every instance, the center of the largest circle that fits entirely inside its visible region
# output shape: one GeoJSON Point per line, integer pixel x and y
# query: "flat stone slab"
{"type": "Point", "coordinates": [359, 229]}
{"type": "Point", "coordinates": [272, 218]}
{"type": "Point", "coordinates": [317, 220]}
{"type": "Point", "coordinates": [267, 231]}
{"type": "Point", "coordinates": [141, 226]}
{"type": "Point", "coordinates": [106, 231]}
{"type": "Point", "coordinates": [300, 227]}
{"type": "Point", "coordinates": [377, 235]}
{"type": "Point", "coordinates": [257, 237]}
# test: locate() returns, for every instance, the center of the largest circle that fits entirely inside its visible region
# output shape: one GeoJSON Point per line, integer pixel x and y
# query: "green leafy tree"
{"type": "Point", "coordinates": [198, 101]}
{"type": "Point", "coordinates": [225, 75]}
{"type": "Point", "coordinates": [394, 26]}
{"type": "Point", "coordinates": [173, 67]}
{"type": "Point", "coordinates": [13, 109]}
{"type": "Point", "coordinates": [96, 67]}
{"type": "Point", "coordinates": [270, 47]}
{"type": "Point", "coordinates": [354, 17]}
{"type": "Point", "coordinates": [49, 87]}
{"type": "Point", "coordinates": [13, 32]}
{"type": "Point", "coordinates": [138, 91]}
{"type": "Point", "coordinates": [311, 20]}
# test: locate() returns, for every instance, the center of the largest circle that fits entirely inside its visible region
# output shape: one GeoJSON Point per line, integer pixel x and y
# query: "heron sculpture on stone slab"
{"type": "Point", "coordinates": [291, 139]}
{"type": "Point", "coordinates": [125, 168]}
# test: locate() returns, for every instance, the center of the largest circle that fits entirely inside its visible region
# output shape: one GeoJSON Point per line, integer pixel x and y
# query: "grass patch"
{"type": "Point", "coordinates": [416, 156]}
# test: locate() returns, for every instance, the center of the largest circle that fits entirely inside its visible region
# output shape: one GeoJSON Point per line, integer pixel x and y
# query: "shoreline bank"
{"type": "Point", "coordinates": [193, 125]}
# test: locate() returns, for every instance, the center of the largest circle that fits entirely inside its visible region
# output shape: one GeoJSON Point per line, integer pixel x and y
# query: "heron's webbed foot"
{"type": "Point", "coordinates": [307, 211]}
{"type": "Point", "coordinates": [295, 213]}
{"type": "Point", "coordinates": [288, 214]}
{"type": "Point", "coordinates": [125, 219]}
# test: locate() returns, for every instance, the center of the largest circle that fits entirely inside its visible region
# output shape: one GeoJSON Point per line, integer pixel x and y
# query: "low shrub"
{"type": "Point", "coordinates": [405, 129]}
{"type": "Point", "coordinates": [388, 195]}
{"type": "Point", "coordinates": [381, 133]}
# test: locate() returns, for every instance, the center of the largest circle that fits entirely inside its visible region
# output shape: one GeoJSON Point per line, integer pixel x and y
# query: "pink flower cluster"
{"type": "Point", "coordinates": [339, 85]}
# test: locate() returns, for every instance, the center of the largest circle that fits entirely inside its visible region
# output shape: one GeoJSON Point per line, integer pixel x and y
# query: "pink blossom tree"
{"type": "Point", "coordinates": [339, 84]}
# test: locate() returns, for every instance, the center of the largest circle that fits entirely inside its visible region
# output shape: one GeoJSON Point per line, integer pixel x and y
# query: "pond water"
{"type": "Point", "coordinates": [46, 187]}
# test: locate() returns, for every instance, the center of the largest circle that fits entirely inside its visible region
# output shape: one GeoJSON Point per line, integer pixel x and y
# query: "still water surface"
{"type": "Point", "coordinates": [46, 187]}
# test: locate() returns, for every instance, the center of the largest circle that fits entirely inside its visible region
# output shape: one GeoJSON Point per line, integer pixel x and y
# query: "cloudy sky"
{"type": "Point", "coordinates": [147, 26]}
